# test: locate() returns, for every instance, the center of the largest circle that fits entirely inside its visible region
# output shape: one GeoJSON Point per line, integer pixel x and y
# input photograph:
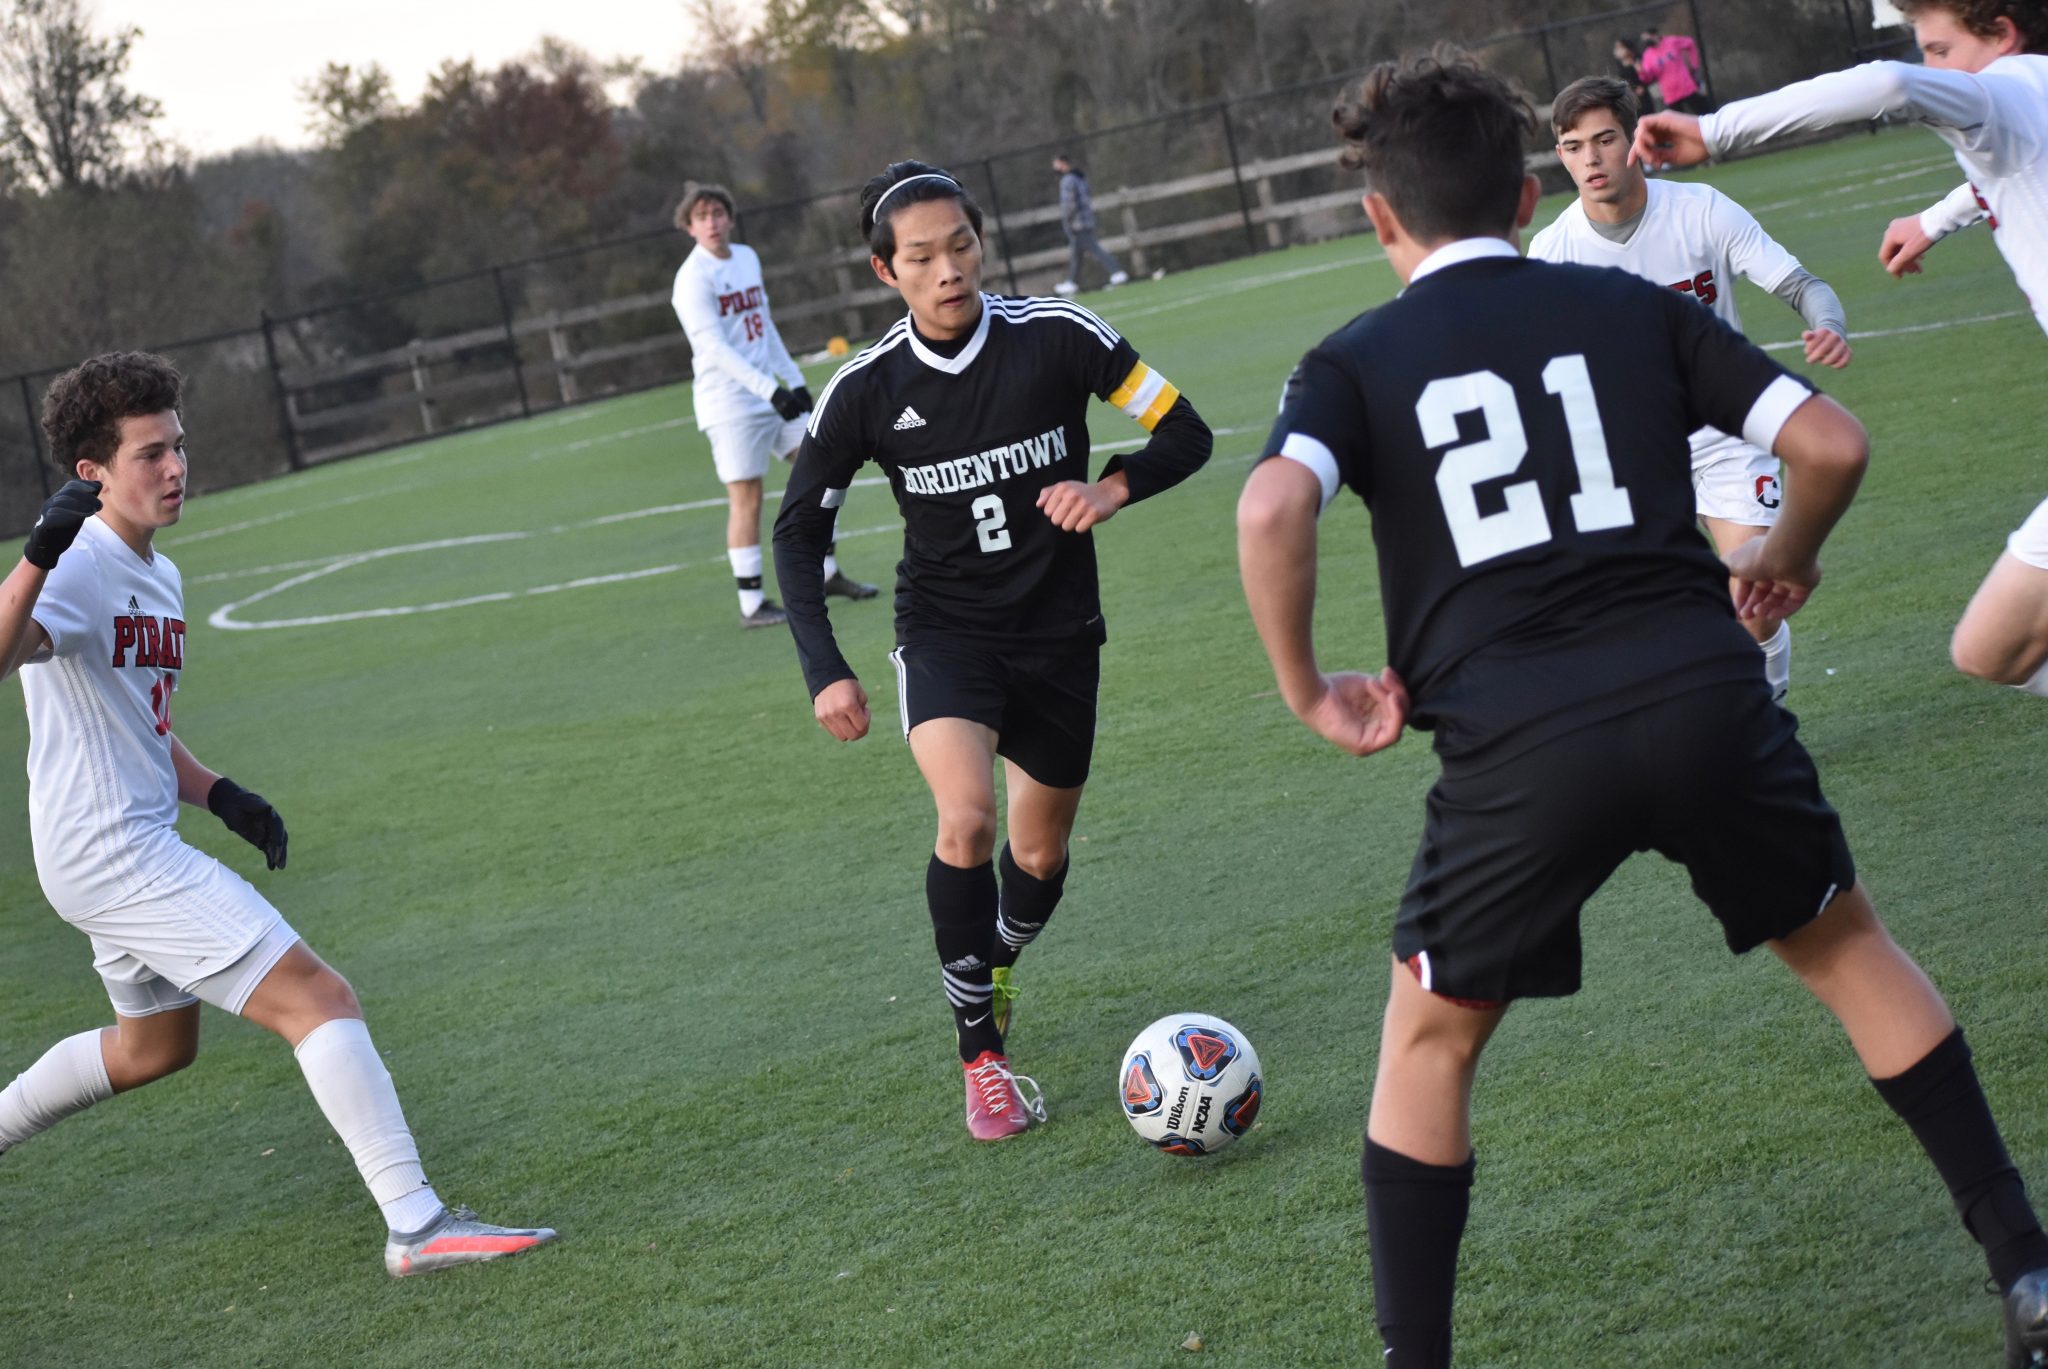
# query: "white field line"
{"type": "Point", "coordinates": [1854, 336]}
{"type": "Point", "coordinates": [224, 617]}
{"type": "Point", "coordinates": [314, 569]}
{"type": "Point", "coordinates": [1908, 171]}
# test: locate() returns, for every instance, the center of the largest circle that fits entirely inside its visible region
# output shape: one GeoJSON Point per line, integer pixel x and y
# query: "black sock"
{"type": "Point", "coordinates": [963, 904]}
{"type": "Point", "coordinates": [1941, 1100]}
{"type": "Point", "coordinates": [1415, 1217]}
{"type": "Point", "coordinates": [1026, 906]}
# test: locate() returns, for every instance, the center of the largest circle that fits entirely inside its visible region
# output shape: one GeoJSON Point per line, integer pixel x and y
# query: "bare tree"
{"type": "Point", "coordinates": [66, 117]}
{"type": "Point", "coordinates": [340, 100]}
{"type": "Point", "coordinates": [733, 48]}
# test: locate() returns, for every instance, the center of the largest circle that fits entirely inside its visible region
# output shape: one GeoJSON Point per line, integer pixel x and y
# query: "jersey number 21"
{"type": "Point", "coordinates": [1480, 536]}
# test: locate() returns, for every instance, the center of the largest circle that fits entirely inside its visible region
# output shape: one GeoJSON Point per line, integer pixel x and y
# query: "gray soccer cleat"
{"type": "Point", "coordinates": [770, 614]}
{"type": "Point", "coordinates": [2026, 1321]}
{"type": "Point", "coordinates": [457, 1238]}
{"type": "Point", "coordinates": [846, 587]}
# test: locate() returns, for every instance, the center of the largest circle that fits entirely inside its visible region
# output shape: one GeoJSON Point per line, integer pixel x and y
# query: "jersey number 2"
{"type": "Point", "coordinates": [1599, 504]}
{"type": "Point", "coordinates": [989, 520]}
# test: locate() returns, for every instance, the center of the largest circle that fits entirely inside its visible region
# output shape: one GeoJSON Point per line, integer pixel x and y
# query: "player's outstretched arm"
{"type": "Point", "coordinates": [1926, 95]}
{"type": "Point", "coordinates": [1276, 549]}
{"type": "Point", "coordinates": [1825, 451]}
{"type": "Point", "coordinates": [63, 514]}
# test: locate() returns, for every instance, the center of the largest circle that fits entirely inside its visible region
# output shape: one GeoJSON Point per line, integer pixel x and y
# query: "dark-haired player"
{"type": "Point", "coordinates": [1697, 241]}
{"type": "Point", "coordinates": [94, 617]}
{"type": "Point", "coordinates": [1519, 432]}
{"type": "Point", "coordinates": [1983, 89]}
{"type": "Point", "coordinates": [975, 405]}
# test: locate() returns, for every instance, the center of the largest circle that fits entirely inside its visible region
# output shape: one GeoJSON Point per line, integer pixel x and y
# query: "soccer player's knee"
{"type": "Point", "coordinates": [967, 833]}
{"type": "Point", "coordinates": [1038, 858]}
{"type": "Point", "coordinates": [337, 997]}
{"type": "Point", "coordinates": [143, 1062]}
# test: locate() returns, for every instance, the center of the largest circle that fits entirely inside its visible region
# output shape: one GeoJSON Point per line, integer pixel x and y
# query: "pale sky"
{"type": "Point", "coordinates": [228, 72]}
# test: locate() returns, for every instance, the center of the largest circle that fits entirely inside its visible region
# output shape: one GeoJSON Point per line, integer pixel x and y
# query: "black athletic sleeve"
{"type": "Point", "coordinates": [1322, 424]}
{"type": "Point", "coordinates": [1180, 445]}
{"type": "Point", "coordinates": [1181, 441]}
{"type": "Point", "coordinates": [825, 467]}
{"type": "Point", "coordinates": [1729, 380]}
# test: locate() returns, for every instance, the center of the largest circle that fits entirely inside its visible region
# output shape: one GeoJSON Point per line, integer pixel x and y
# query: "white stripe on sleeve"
{"type": "Point", "coordinates": [1772, 408]}
{"type": "Point", "coordinates": [1318, 458]}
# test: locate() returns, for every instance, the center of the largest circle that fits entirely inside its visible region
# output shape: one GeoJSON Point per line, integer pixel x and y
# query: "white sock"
{"type": "Point", "coordinates": [746, 571]}
{"type": "Point", "coordinates": [71, 1077]}
{"type": "Point", "coordinates": [1778, 661]}
{"type": "Point", "coordinates": [354, 1090]}
{"type": "Point", "coordinates": [2037, 685]}
{"type": "Point", "coordinates": [832, 549]}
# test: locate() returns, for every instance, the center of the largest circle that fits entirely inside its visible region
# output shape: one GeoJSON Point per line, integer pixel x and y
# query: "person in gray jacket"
{"type": "Point", "coordinates": [1077, 216]}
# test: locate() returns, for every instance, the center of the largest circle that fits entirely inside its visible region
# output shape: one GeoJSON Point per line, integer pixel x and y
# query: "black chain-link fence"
{"type": "Point", "coordinates": [1178, 191]}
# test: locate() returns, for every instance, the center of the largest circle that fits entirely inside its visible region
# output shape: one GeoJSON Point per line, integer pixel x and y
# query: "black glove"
{"type": "Point", "coordinates": [787, 404]}
{"type": "Point", "coordinates": [250, 817]}
{"type": "Point", "coordinates": [804, 403]}
{"type": "Point", "coordinates": [63, 514]}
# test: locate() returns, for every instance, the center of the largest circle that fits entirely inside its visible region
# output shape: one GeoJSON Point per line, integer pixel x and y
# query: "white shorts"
{"type": "Point", "coordinates": [2030, 542]}
{"type": "Point", "coordinates": [199, 931]}
{"type": "Point", "coordinates": [1738, 484]}
{"type": "Point", "coordinates": [741, 448]}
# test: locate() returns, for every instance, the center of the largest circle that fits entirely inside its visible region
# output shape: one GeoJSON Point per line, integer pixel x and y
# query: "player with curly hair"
{"type": "Point", "coordinates": [1519, 431]}
{"type": "Point", "coordinates": [94, 618]}
{"type": "Point", "coordinates": [1983, 90]}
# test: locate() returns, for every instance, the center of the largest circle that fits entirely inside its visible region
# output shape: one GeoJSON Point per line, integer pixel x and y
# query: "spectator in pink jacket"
{"type": "Point", "coordinates": [1674, 64]}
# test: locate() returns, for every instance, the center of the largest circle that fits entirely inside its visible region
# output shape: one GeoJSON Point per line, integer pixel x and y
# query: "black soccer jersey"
{"type": "Point", "coordinates": [967, 442]}
{"type": "Point", "coordinates": [1518, 430]}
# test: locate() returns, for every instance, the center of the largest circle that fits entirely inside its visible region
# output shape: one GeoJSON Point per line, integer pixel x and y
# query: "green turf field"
{"type": "Point", "coordinates": [649, 958]}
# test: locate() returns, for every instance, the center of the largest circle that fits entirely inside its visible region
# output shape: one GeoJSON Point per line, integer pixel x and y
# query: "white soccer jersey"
{"type": "Point", "coordinates": [738, 356]}
{"type": "Point", "coordinates": [1692, 238]}
{"type": "Point", "coordinates": [1996, 120]}
{"type": "Point", "coordinates": [103, 794]}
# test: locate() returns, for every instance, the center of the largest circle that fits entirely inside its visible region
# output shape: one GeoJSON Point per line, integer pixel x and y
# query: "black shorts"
{"type": "Point", "coordinates": [1041, 707]}
{"type": "Point", "coordinates": [1714, 779]}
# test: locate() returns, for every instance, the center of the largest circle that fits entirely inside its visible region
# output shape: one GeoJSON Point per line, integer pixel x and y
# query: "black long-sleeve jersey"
{"type": "Point", "coordinates": [967, 442]}
{"type": "Point", "coordinates": [1518, 430]}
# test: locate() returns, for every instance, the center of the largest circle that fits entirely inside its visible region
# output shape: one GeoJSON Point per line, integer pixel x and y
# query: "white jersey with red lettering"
{"type": "Point", "coordinates": [1996, 120]}
{"type": "Point", "coordinates": [1692, 238]}
{"type": "Point", "coordinates": [737, 353]}
{"type": "Point", "coordinates": [102, 790]}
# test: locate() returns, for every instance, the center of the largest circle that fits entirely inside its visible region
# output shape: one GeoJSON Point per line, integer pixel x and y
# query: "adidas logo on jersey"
{"type": "Point", "coordinates": [908, 419]}
{"type": "Point", "coordinates": [133, 607]}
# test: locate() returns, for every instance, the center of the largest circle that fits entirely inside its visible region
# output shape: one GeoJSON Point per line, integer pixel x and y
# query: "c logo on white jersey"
{"type": "Point", "coordinates": [1767, 492]}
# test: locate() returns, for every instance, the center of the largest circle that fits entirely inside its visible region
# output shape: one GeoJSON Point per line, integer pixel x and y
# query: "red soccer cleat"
{"type": "Point", "coordinates": [996, 1106]}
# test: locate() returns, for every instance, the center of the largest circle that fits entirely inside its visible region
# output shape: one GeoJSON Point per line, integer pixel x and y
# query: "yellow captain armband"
{"type": "Point", "coordinates": [1145, 395]}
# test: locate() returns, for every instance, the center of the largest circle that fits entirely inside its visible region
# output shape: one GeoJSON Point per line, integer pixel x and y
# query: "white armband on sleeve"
{"type": "Point", "coordinates": [1307, 451]}
{"type": "Point", "coordinates": [1767, 417]}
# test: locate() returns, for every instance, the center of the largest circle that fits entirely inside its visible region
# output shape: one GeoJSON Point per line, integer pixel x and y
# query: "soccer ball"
{"type": "Point", "coordinates": [1190, 1084]}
